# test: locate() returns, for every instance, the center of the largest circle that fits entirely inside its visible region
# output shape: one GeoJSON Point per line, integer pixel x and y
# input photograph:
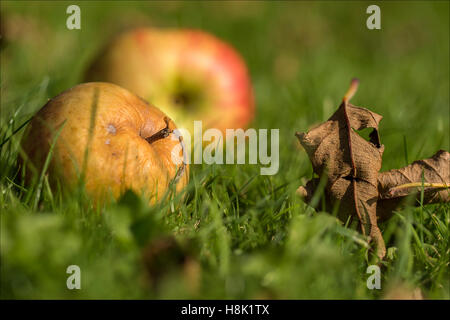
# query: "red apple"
{"type": "Point", "coordinates": [189, 74]}
{"type": "Point", "coordinates": [109, 136]}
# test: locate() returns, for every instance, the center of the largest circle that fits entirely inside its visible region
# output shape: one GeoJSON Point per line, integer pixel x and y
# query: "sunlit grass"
{"type": "Point", "coordinates": [238, 234]}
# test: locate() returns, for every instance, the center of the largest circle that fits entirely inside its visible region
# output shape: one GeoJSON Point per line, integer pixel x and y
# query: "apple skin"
{"type": "Point", "coordinates": [118, 155]}
{"type": "Point", "coordinates": [189, 74]}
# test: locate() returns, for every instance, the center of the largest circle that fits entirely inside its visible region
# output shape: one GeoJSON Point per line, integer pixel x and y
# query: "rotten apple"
{"type": "Point", "coordinates": [108, 137]}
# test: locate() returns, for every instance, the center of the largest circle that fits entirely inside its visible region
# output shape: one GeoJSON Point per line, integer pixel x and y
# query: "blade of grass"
{"type": "Point", "coordinates": [45, 167]}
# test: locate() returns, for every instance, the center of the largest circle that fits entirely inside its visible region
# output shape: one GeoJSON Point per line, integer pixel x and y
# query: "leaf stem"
{"type": "Point", "coordinates": [351, 90]}
{"type": "Point", "coordinates": [420, 184]}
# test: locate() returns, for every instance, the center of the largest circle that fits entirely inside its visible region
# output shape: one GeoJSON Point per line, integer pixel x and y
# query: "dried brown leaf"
{"type": "Point", "coordinates": [395, 185]}
{"type": "Point", "coordinates": [351, 164]}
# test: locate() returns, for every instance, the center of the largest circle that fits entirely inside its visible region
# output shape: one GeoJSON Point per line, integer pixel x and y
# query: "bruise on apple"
{"type": "Point", "coordinates": [111, 139]}
{"type": "Point", "coordinates": [111, 129]}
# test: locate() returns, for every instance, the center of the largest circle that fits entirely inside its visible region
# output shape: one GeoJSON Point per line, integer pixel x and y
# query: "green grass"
{"type": "Point", "coordinates": [239, 234]}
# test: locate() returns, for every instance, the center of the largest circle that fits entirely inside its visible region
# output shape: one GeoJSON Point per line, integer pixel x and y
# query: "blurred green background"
{"type": "Point", "coordinates": [238, 234]}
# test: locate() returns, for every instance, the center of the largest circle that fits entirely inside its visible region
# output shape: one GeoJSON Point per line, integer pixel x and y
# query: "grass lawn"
{"type": "Point", "coordinates": [238, 234]}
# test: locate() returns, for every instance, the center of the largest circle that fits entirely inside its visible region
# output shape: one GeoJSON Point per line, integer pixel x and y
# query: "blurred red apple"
{"type": "Point", "coordinates": [189, 74]}
{"type": "Point", "coordinates": [113, 138]}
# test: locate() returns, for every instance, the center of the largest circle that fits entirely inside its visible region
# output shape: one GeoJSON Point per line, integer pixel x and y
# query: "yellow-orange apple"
{"type": "Point", "coordinates": [110, 138]}
{"type": "Point", "coordinates": [189, 74]}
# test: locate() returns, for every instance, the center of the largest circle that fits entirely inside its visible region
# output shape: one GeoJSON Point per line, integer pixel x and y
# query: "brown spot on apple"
{"type": "Point", "coordinates": [111, 129]}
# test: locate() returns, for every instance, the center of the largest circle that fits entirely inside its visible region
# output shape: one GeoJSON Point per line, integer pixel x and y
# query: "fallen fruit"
{"type": "Point", "coordinates": [351, 166]}
{"type": "Point", "coordinates": [109, 138]}
{"type": "Point", "coordinates": [189, 74]}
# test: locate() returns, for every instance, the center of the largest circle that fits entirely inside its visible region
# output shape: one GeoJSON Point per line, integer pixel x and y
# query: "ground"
{"type": "Point", "coordinates": [237, 234]}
